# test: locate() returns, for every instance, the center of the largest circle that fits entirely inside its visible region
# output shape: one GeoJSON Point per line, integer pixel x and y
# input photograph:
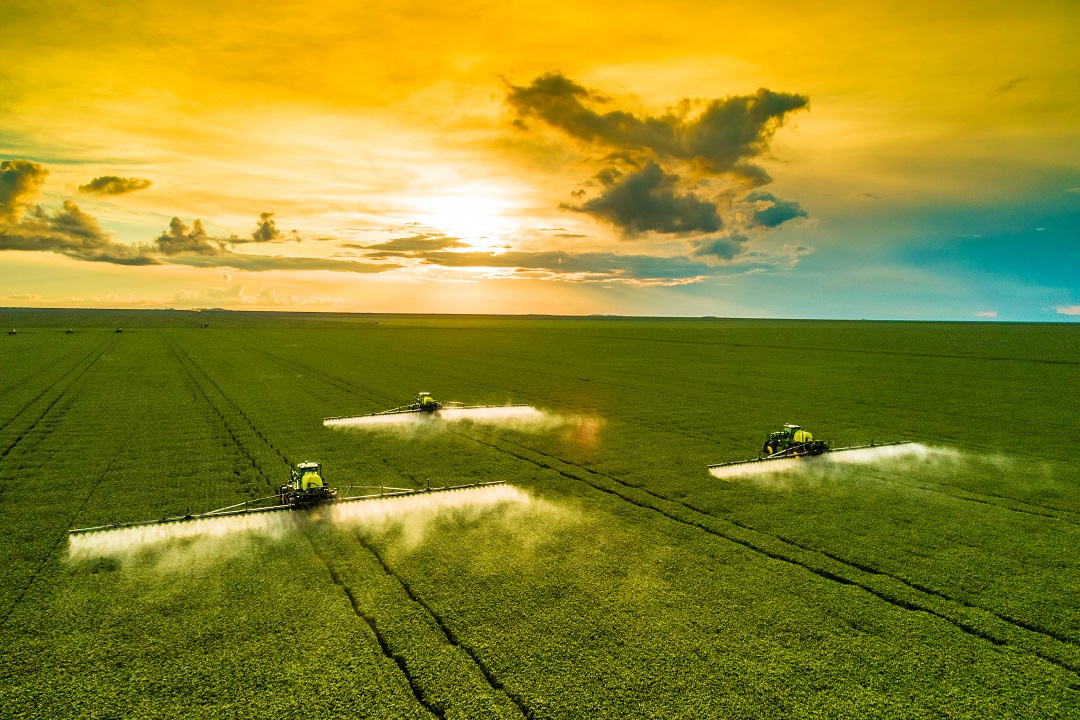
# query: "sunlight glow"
{"type": "Point", "coordinates": [478, 217]}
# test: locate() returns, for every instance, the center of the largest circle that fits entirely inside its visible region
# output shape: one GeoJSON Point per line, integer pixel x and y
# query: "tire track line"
{"type": "Point", "coordinates": [912, 605]}
{"type": "Point", "coordinates": [38, 371]}
{"type": "Point", "coordinates": [380, 639]}
{"type": "Point", "coordinates": [852, 351]}
{"type": "Point", "coordinates": [448, 634]}
{"type": "Point", "coordinates": [221, 417]}
{"type": "Point", "coordinates": [128, 437]}
{"type": "Point", "coordinates": [912, 585]}
{"type": "Point", "coordinates": [237, 408]}
{"type": "Point", "coordinates": [974, 496]}
{"type": "Point", "coordinates": [991, 499]}
{"type": "Point", "coordinates": [915, 606]}
{"type": "Point", "coordinates": [493, 681]}
{"type": "Point", "coordinates": [59, 397]}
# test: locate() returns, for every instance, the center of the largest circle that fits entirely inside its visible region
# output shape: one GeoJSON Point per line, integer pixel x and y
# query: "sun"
{"type": "Point", "coordinates": [480, 217]}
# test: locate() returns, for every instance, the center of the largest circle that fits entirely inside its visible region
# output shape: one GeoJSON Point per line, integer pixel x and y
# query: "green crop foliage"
{"type": "Point", "coordinates": [632, 584]}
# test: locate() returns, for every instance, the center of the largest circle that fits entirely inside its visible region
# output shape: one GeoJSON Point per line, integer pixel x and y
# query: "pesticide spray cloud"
{"type": "Point", "coordinates": [412, 517]}
{"type": "Point", "coordinates": [580, 430]}
{"type": "Point", "coordinates": [862, 456]}
{"type": "Point", "coordinates": [214, 538]}
{"type": "Point", "coordinates": [200, 539]}
{"type": "Point", "coordinates": [522, 417]}
{"type": "Point", "coordinates": [380, 511]}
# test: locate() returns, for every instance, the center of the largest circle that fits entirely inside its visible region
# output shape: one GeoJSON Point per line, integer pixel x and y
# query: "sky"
{"type": "Point", "coordinates": [911, 161]}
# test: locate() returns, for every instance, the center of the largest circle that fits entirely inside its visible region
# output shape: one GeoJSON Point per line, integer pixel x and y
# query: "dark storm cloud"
{"type": "Point", "coordinates": [770, 211]}
{"type": "Point", "coordinates": [723, 248]}
{"type": "Point", "coordinates": [648, 200]}
{"type": "Point", "coordinates": [633, 185]}
{"type": "Point", "coordinates": [424, 241]}
{"type": "Point", "coordinates": [721, 138]}
{"type": "Point", "coordinates": [113, 185]}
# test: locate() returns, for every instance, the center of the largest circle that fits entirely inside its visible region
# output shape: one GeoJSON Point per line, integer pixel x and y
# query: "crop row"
{"type": "Point", "coordinates": [632, 584]}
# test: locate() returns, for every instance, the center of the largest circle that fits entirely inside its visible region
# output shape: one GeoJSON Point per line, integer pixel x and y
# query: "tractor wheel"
{"type": "Point", "coordinates": [767, 449]}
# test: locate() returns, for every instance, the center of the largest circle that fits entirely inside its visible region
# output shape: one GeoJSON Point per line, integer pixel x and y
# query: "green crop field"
{"type": "Point", "coordinates": [622, 580]}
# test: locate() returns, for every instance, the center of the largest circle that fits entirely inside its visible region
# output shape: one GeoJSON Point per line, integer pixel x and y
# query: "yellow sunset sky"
{"type": "Point", "coordinates": [789, 159]}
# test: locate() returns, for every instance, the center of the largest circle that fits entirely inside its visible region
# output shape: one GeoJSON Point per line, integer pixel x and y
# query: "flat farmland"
{"type": "Point", "coordinates": [620, 580]}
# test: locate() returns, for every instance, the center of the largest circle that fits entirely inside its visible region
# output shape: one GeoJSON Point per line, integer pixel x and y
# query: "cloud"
{"type": "Point", "coordinates": [723, 248]}
{"type": "Point", "coordinates": [73, 233]}
{"type": "Point", "coordinates": [22, 296]}
{"type": "Point", "coordinates": [648, 200]}
{"type": "Point", "coordinates": [67, 231]}
{"type": "Point", "coordinates": [235, 295]}
{"type": "Point", "coordinates": [1069, 310]}
{"type": "Point", "coordinates": [770, 211]}
{"type": "Point", "coordinates": [678, 173]}
{"type": "Point", "coordinates": [421, 242]}
{"type": "Point", "coordinates": [263, 263]}
{"type": "Point", "coordinates": [720, 138]}
{"type": "Point", "coordinates": [986, 314]}
{"type": "Point", "coordinates": [180, 238]}
{"type": "Point", "coordinates": [20, 183]}
{"type": "Point", "coordinates": [589, 266]}
{"type": "Point", "coordinates": [266, 231]}
{"type": "Point", "coordinates": [113, 185]}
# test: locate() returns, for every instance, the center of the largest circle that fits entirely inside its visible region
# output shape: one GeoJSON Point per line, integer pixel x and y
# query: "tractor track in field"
{"type": "Point", "coordinates": [369, 620]}
{"type": "Point", "coordinates": [493, 681]}
{"type": "Point", "coordinates": [642, 420]}
{"type": "Point", "coordinates": [78, 376]}
{"type": "Point", "coordinates": [388, 652]}
{"type": "Point", "coordinates": [187, 366]}
{"type": "Point", "coordinates": [52, 385]}
{"type": "Point", "coordinates": [128, 437]}
{"type": "Point", "coordinates": [993, 500]}
{"type": "Point", "coordinates": [448, 634]}
{"type": "Point", "coordinates": [233, 405]}
{"type": "Point", "coordinates": [764, 346]}
{"type": "Point", "coordinates": [915, 604]}
{"type": "Point", "coordinates": [39, 371]}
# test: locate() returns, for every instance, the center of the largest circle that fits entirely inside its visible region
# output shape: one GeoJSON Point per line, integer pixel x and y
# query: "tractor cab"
{"type": "Point", "coordinates": [425, 402]}
{"type": "Point", "coordinates": [792, 440]}
{"type": "Point", "coordinates": [306, 485]}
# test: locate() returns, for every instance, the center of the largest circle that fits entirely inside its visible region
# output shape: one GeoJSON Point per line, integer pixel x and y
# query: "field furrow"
{"type": "Point", "coordinates": [865, 567]}
{"type": "Point", "coordinates": [612, 576]}
{"type": "Point", "coordinates": [225, 404]}
{"type": "Point", "coordinates": [18, 428]}
{"type": "Point", "coordinates": [776, 547]}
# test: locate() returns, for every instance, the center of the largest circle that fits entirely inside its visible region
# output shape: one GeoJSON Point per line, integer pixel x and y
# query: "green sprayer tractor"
{"type": "Point", "coordinates": [792, 441]}
{"type": "Point", "coordinates": [424, 404]}
{"type": "Point", "coordinates": [306, 486]}
{"type": "Point", "coordinates": [795, 445]}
